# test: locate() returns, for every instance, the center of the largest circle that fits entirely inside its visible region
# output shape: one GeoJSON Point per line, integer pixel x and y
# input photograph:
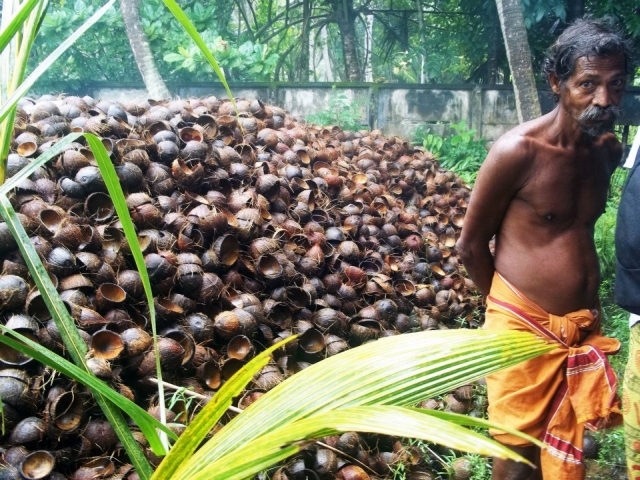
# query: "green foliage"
{"type": "Point", "coordinates": [535, 10]}
{"type": "Point", "coordinates": [460, 152]}
{"type": "Point", "coordinates": [92, 59]}
{"type": "Point", "coordinates": [479, 466]}
{"type": "Point", "coordinates": [249, 61]}
{"type": "Point", "coordinates": [24, 22]}
{"type": "Point", "coordinates": [340, 111]}
{"type": "Point", "coordinates": [264, 41]}
{"type": "Point", "coordinates": [182, 402]}
{"type": "Point", "coordinates": [108, 399]}
{"type": "Point", "coordinates": [178, 59]}
{"type": "Point", "coordinates": [605, 230]}
{"type": "Point", "coordinates": [16, 45]}
{"type": "Point", "coordinates": [616, 320]}
{"type": "Point", "coordinates": [481, 470]}
{"type": "Point", "coordinates": [611, 453]}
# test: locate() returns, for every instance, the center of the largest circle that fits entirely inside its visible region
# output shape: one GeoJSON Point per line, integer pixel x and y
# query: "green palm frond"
{"type": "Point", "coordinates": [344, 392]}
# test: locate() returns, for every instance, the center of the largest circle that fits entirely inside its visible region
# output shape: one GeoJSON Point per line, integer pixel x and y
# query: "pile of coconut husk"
{"type": "Point", "coordinates": [254, 226]}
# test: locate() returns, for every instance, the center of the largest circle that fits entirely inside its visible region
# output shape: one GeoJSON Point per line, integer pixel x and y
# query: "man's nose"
{"type": "Point", "coordinates": [602, 97]}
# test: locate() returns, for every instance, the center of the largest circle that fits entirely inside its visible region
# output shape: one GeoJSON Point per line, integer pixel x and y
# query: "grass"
{"type": "Point", "coordinates": [611, 454]}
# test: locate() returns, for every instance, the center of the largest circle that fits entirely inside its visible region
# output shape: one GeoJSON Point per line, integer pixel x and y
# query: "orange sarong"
{"type": "Point", "coordinates": [555, 396]}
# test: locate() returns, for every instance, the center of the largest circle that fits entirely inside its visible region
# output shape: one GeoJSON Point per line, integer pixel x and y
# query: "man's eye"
{"type": "Point", "coordinates": [587, 84]}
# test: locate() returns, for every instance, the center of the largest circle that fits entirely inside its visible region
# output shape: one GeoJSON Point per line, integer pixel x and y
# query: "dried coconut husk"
{"type": "Point", "coordinates": [317, 225]}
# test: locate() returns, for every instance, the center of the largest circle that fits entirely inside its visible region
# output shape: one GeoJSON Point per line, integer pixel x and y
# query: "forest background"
{"type": "Point", "coordinates": [389, 41]}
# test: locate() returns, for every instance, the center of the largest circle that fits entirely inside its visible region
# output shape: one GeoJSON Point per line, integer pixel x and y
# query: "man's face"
{"type": "Point", "coordinates": [593, 92]}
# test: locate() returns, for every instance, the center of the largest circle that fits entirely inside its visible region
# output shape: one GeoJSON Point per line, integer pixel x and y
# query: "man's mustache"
{"type": "Point", "coordinates": [596, 113]}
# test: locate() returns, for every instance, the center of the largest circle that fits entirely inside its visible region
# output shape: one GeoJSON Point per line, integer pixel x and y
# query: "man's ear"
{"type": "Point", "coordinates": [554, 83]}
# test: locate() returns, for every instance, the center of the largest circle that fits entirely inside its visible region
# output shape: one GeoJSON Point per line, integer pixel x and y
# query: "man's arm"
{"type": "Point", "coordinates": [501, 176]}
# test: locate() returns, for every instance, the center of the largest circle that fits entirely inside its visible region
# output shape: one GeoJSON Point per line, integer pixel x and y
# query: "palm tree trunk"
{"type": "Point", "coordinates": [327, 71]}
{"type": "Point", "coordinates": [519, 56]}
{"type": "Point", "coordinates": [142, 51]}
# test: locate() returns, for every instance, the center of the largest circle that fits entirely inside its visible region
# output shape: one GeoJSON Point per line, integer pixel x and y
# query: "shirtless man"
{"type": "Point", "coordinates": [540, 191]}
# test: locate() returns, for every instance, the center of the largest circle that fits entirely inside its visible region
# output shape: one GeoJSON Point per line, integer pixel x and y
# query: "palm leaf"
{"type": "Point", "coordinates": [212, 412]}
{"type": "Point", "coordinates": [72, 339]}
{"type": "Point", "coordinates": [276, 445]}
{"type": "Point", "coordinates": [44, 157]}
{"type": "Point", "coordinates": [400, 370]}
{"type": "Point", "coordinates": [21, 25]}
{"type": "Point", "coordinates": [112, 183]}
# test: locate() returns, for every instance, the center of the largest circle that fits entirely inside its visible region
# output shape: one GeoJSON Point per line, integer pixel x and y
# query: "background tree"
{"type": "Point", "coordinates": [519, 55]}
{"type": "Point", "coordinates": [142, 50]}
{"type": "Point", "coordinates": [411, 41]}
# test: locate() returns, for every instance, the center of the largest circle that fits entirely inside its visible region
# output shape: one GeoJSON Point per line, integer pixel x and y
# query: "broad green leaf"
{"type": "Point", "coordinates": [388, 420]}
{"type": "Point", "coordinates": [400, 370]}
{"type": "Point", "coordinates": [173, 57]}
{"type": "Point", "coordinates": [208, 417]}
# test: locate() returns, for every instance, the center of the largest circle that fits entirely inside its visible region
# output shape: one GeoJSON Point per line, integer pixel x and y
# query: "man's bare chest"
{"type": "Point", "coordinates": [567, 194]}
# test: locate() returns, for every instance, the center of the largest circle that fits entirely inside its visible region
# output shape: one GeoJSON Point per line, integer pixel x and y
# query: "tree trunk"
{"type": "Point", "coordinates": [326, 70]}
{"type": "Point", "coordinates": [303, 59]}
{"type": "Point", "coordinates": [368, 42]}
{"type": "Point", "coordinates": [423, 41]}
{"type": "Point", "coordinates": [224, 11]}
{"type": "Point", "coordinates": [346, 19]}
{"type": "Point", "coordinates": [494, 45]}
{"type": "Point", "coordinates": [142, 51]}
{"type": "Point", "coordinates": [519, 56]}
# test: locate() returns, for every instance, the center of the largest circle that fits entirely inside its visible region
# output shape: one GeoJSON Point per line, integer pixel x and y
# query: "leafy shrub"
{"type": "Point", "coordinates": [250, 61]}
{"type": "Point", "coordinates": [460, 152]}
{"type": "Point", "coordinates": [605, 230]}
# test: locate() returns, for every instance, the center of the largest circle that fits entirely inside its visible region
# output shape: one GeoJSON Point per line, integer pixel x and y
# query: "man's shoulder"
{"type": "Point", "coordinates": [526, 134]}
{"type": "Point", "coordinates": [516, 144]}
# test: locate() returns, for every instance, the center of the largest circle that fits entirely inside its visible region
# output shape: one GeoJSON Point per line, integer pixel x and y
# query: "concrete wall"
{"type": "Point", "coordinates": [395, 109]}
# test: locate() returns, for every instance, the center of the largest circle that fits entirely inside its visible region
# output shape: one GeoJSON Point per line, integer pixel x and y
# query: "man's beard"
{"type": "Point", "coordinates": [596, 121]}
